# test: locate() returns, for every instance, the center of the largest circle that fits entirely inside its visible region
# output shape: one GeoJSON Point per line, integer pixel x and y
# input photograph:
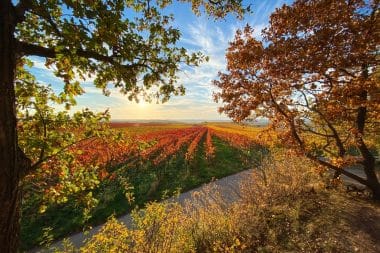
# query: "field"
{"type": "Point", "coordinates": [146, 162]}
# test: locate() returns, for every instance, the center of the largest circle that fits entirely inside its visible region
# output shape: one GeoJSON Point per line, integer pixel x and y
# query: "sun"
{"type": "Point", "coordinates": [142, 103]}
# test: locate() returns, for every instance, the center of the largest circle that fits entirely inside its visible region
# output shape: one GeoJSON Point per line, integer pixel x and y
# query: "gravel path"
{"type": "Point", "coordinates": [227, 186]}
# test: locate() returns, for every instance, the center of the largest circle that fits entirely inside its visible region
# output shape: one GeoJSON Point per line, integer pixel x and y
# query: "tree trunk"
{"type": "Point", "coordinates": [373, 182]}
{"type": "Point", "coordinates": [369, 168]}
{"type": "Point", "coordinates": [368, 158]}
{"type": "Point", "coordinates": [12, 160]}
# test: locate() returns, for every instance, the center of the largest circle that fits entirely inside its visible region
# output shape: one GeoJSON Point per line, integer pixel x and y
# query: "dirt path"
{"type": "Point", "coordinates": [227, 186]}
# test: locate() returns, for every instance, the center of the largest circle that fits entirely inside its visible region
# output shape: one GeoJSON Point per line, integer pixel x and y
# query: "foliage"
{"type": "Point", "coordinates": [284, 207]}
{"type": "Point", "coordinates": [130, 45]}
{"type": "Point", "coordinates": [210, 149]}
{"type": "Point", "coordinates": [82, 40]}
{"type": "Point", "coordinates": [115, 42]}
{"type": "Point", "coordinates": [51, 140]}
{"type": "Point", "coordinates": [313, 76]}
{"type": "Point", "coordinates": [264, 136]}
{"type": "Point", "coordinates": [120, 174]}
{"type": "Point", "coordinates": [194, 144]}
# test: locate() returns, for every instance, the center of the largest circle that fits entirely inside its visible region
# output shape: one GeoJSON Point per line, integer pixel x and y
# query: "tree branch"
{"type": "Point", "coordinates": [315, 132]}
{"type": "Point", "coordinates": [44, 124]}
{"type": "Point", "coordinates": [21, 8]}
{"type": "Point", "coordinates": [43, 13]}
{"type": "Point", "coordinates": [325, 148]}
{"type": "Point", "coordinates": [40, 161]}
{"type": "Point", "coordinates": [335, 135]}
{"type": "Point", "coordinates": [309, 155]}
{"type": "Point", "coordinates": [31, 49]}
{"type": "Point", "coordinates": [215, 2]}
{"type": "Point", "coordinates": [289, 119]}
{"type": "Point", "coordinates": [368, 158]}
{"type": "Point", "coordinates": [340, 170]}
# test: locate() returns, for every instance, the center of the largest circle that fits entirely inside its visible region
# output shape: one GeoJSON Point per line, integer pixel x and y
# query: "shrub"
{"type": "Point", "coordinates": [283, 206]}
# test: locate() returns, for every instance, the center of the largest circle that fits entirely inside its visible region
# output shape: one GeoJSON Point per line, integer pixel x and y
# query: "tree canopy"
{"type": "Point", "coordinates": [314, 76]}
{"type": "Point", "coordinates": [130, 45]}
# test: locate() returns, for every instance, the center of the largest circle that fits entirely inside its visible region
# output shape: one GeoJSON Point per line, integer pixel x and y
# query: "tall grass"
{"type": "Point", "coordinates": [283, 206]}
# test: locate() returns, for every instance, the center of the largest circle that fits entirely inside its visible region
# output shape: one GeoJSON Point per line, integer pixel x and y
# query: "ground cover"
{"type": "Point", "coordinates": [154, 161]}
{"type": "Point", "coordinates": [288, 205]}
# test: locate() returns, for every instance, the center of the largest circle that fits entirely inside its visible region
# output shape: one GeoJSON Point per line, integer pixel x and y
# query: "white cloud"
{"type": "Point", "coordinates": [39, 63]}
{"type": "Point", "coordinates": [212, 39]}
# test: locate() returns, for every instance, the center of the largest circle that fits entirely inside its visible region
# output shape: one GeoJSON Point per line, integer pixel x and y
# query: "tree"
{"type": "Point", "coordinates": [314, 76]}
{"type": "Point", "coordinates": [130, 44]}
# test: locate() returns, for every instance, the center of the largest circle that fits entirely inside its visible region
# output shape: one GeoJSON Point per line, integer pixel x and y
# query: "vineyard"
{"type": "Point", "coordinates": [144, 162]}
{"type": "Point", "coordinates": [300, 80]}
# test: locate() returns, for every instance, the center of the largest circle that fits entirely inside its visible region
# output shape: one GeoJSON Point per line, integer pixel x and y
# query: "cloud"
{"type": "Point", "coordinates": [199, 34]}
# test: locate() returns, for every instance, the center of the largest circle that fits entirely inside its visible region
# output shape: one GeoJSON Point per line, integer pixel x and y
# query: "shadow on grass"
{"type": "Point", "coordinates": [150, 182]}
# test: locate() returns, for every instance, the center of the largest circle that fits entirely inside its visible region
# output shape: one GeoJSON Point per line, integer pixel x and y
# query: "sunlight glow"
{"type": "Point", "coordinates": [142, 104]}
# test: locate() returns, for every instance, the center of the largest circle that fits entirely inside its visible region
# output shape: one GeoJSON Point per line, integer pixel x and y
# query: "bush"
{"type": "Point", "coordinates": [283, 206]}
{"type": "Point", "coordinates": [268, 216]}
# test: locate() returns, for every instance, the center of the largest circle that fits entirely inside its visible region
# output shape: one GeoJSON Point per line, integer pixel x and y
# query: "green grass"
{"type": "Point", "coordinates": [149, 182]}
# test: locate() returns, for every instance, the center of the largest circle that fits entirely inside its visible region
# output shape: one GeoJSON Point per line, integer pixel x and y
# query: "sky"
{"type": "Point", "coordinates": [198, 34]}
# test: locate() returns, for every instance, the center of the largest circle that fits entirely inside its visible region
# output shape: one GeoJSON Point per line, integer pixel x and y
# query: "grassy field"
{"type": "Point", "coordinates": [143, 180]}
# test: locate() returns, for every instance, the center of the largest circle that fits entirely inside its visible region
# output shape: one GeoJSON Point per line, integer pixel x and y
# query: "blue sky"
{"type": "Point", "coordinates": [198, 34]}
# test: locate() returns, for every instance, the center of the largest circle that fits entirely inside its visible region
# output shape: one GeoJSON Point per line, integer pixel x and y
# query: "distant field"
{"type": "Point", "coordinates": [142, 128]}
{"type": "Point", "coordinates": [151, 161]}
